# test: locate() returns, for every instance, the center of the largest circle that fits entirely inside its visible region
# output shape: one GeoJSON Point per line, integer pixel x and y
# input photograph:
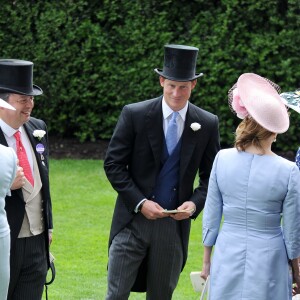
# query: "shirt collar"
{"type": "Point", "coordinates": [167, 111]}
{"type": "Point", "coordinates": [7, 130]}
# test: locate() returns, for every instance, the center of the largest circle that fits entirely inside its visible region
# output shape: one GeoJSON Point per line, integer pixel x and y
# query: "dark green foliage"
{"type": "Point", "coordinates": [93, 57]}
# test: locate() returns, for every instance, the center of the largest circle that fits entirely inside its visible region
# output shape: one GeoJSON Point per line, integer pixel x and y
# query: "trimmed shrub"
{"type": "Point", "coordinates": [93, 57]}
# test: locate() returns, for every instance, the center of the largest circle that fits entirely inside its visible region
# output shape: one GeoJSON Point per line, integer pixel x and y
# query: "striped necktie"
{"type": "Point", "coordinates": [171, 136]}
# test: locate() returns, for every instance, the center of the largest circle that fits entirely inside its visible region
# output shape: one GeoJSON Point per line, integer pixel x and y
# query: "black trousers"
{"type": "Point", "coordinates": [28, 268]}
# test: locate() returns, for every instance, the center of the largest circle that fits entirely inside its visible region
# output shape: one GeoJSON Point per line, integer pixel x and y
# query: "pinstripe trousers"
{"type": "Point", "coordinates": [158, 239]}
{"type": "Point", "coordinates": [4, 265]}
{"type": "Point", "coordinates": [28, 268]}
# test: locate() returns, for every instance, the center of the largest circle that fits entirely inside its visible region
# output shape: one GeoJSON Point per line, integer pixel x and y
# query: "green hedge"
{"type": "Point", "coordinates": [93, 57]}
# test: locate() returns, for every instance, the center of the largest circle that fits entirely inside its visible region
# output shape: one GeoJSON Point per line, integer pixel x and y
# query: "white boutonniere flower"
{"type": "Point", "coordinates": [195, 126]}
{"type": "Point", "coordinates": [39, 134]}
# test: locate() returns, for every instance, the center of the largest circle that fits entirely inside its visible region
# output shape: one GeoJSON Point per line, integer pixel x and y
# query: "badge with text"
{"type": "Point", "coordinates": [40, 148]}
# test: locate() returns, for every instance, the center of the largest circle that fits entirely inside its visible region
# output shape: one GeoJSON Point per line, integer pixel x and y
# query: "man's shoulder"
{"type": "Point", "coordinates": [144, 105]}
{"type": "Point", "coordinates": [36, 122]}
{"type": "Point", "coordinates": [202, 112]}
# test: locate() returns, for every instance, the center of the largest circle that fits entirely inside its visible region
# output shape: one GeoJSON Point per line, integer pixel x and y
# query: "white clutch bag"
{"type": "Point", "coordinates": [200, 285]}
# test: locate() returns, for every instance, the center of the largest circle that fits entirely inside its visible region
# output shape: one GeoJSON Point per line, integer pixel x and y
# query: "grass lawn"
{"type": "Point", "coordinates": [83, 203]}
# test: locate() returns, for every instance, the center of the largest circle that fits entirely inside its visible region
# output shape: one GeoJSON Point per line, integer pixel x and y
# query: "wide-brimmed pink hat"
{"type": "Point", "coordinates": [258, 97]}
{"type": "Point", "coordinates": [6, 105]}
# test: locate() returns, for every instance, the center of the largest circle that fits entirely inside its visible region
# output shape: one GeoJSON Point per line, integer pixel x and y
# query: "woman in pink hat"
{"type": "Point", "coordinates": [253, 190]}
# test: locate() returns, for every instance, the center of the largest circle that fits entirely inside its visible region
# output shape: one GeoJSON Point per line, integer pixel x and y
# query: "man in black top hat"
{"type": "Point", "coordinates": [28, 208]}
{"type": "Point", "coordinates": [155, 153]}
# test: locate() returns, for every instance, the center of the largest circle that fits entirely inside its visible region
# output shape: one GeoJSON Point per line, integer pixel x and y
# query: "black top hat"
{"type": "Point", "coordinates": [16, 77]}
{"type": "Point", "coordinates": [179, 63]}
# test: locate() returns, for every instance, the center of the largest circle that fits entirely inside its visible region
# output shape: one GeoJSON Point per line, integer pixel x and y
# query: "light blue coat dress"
{"type": "Point", "coordinates": [8, 167]}
{"type": "Point", "coordinates": [259, 199]}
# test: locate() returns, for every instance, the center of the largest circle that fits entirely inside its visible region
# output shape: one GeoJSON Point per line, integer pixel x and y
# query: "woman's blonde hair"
{"type": "Point", "coordinates": [249, 132]}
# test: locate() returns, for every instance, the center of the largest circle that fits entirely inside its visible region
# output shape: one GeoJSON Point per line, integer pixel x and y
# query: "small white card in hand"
{"type": "Point", "coordinates": [175, 211]}
{"type": "Point", "coordinates": [197, 281]}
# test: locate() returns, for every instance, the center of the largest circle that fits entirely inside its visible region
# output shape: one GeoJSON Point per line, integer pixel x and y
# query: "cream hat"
{"type": "Point", "coordinates": [257, 97]}
{"type": "Point", "coordinates": [6, 105]}
{"type": "Point", "coordinates": [292, 100]}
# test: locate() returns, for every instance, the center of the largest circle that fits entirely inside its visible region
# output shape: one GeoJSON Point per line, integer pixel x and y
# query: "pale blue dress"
{"type": "Point", "coordinates": [253, 193]}
{"type": "Point", "coordinates": [8, 168]}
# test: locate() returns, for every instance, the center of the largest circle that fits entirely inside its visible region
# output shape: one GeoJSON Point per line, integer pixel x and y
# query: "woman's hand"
{"type": "Point", "coordinates": [206, 262]}
{"type": "Point", "coordinates": [205, 270]}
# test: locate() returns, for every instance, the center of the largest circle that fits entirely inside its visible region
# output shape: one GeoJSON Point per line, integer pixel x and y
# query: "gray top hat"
{"type": "Point", "coordinates": [179, 63]}
{"type": "Point", "coordinates": [16, 77]}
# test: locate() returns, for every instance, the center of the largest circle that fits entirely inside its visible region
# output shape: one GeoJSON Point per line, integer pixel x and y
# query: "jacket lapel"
{"type": "Point", "coordinates": [154, 124]}
{"type": "Point", "coordinates": [2, 138]}
{"type": "Point", "coordinates": [29, 128]}
{"type": "Point", "coordinates": [189, 139]}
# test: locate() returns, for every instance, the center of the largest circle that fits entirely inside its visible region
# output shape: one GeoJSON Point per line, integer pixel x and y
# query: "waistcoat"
{"type": "Point", "coordinates": [33, 223]}
{"type": "Point", "coordinates": [166, 187]}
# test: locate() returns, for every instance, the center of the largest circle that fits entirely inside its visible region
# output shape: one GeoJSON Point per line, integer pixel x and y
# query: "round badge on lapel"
{"type": "Point", "coordinates": [40, 148]}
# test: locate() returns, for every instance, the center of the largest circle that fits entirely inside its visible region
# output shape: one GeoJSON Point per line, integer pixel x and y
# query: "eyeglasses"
{"type": "Point", "coordinates": [25, 99]}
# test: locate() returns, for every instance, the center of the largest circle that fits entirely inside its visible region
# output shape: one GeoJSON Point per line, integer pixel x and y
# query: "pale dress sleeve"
{"type": "Point", "coordinates": [291, 215]}
{"type": "Point", "coordinates": [13, 162]}
{"type": "Point", "coordinates": [213, 208]}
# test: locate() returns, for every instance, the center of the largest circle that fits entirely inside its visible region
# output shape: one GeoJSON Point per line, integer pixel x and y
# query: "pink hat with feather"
{"type": "Point", "coordinates": [258, 97]}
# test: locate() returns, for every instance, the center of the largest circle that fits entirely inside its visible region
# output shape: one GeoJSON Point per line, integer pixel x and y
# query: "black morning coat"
{"type": "Point", "coordinates": [133, 161]}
